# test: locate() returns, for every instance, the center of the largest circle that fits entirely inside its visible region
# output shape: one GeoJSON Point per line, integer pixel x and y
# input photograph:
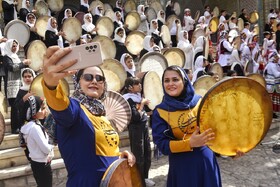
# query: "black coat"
{"type": "Point", "coordinates": [8, 10]}
{"type": "Point", "coordinates": [277, 40]}
{"type": "Point", "coordinates": [23, 13]}
{"type": "Point", "coordinates": [50, 38]}
{"type": "Point", "coordinates": [83, 9]}
{"type": "Point", "coordinates": [120, 50]}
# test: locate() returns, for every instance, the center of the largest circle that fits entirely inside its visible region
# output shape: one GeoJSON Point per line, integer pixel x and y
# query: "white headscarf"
{"type": "Point", "coordinates": [117, 4]}
{"type": "Point", "coordinates": [152, 29]}
{"type": "Point", "coordinates": [120, 7]}
{"type": "Point", "coordinates": [146, 43]}
{"type": "Point", "coordinates": [198, 66]}
{"type": "Point", "coordinates": [122, 61]}
{"type": "Point", "coordinates": [174, 29]}
{"type": "Point", "coordinates": [82, 2]}
{"type": "Point", "coordinates": [201, 19]}
{"type": "Point", "coordinates": [25, 86]}
{"type": "Point", "coordinates": [50, 28]}
{"type": "Point", "coordinates": [141, 12]}
{"type": "Point", "coordinates": [120, 23]}
{"type": "Point", "coordinates": [9, 53]}
{"type": "Point", "coordinates": [9, 1]}
{"type": "Point", "coordinates": [168, 3]}
{"type": "Point", "coordinates": [187, 47]}
{"type": "Point", "coordinates": [97, 11]}
{"type": "Point", "coordinates": [117, 37]}
{"type": "Point", "coordinates": [27, 21]}
{"type": "Point", "coordinates": [159, 16]}
{"type": "Point", "coordinates": [199, 42]}
{"type": "Point", "coordinates": [88, 25]}
{"type": "Point", "coordinates": [181, 37]}
{"type": "Point", "coordinates": [139, 9]}
{"type": "Point", "coordinates": [65, 13]}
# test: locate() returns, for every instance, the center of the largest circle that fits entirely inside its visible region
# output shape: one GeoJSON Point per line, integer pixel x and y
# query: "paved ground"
{"type": "Point", "coordinates": [258, 168]}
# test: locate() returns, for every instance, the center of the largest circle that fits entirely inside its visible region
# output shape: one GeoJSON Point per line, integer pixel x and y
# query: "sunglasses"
{"type": "Point", "coordinates": [90, 77]}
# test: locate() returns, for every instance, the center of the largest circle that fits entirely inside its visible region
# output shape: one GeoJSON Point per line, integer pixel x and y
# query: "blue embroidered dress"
{"type": "Point", "coordinates": [88, 144]}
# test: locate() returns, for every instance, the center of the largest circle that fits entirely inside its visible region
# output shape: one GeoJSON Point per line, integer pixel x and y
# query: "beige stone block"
{"type": "Point", "coordinates": [18, 182]}
{"type": "Point", "coordinates": [31, 180]}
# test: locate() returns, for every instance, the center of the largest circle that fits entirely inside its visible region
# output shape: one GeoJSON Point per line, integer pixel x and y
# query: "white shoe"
{"type": "Point", "coordinates": [224, 156]}
{"type": "Point", "coordinates": [149, 182]}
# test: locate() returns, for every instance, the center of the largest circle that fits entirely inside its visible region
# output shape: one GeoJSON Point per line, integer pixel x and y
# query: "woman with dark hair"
{"type": "Point", "coordinates": [244, 15]}
{"type": "Point", "coordinates": [87, 142]}
{"type": "Point", "coordinates": [176, 134]}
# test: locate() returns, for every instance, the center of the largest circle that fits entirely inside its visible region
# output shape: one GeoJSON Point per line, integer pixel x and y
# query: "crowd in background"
{"type": "Point", "coordinates": [234, 46]}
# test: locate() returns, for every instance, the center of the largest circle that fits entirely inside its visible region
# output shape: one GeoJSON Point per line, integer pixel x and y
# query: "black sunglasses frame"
{"type": "Point", "coordinates": [89, 77]}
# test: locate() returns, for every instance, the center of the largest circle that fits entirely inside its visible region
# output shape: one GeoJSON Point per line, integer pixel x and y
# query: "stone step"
{"type": "Point", "coordinates": [9, 141]}
{"type": "Point", "coordinates": [22, 175]}
{"type": "Point", "coordinates": [13, 155]}
{"type": "Point", "coordinates": [12, 140]}
{"type": "Point", "coordinates": [16, 157]}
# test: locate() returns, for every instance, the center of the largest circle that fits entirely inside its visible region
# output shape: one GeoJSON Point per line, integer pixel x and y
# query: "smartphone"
{"type": "Point", "coordinates": [87, 55]}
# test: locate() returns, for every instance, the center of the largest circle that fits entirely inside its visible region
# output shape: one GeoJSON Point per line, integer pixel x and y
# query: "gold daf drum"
{"type": "Point", "coordinates": [239, 110]}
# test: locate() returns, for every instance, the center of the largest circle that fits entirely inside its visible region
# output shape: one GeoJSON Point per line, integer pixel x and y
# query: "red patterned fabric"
{"type": "Point", "coordinates": [275, 97]}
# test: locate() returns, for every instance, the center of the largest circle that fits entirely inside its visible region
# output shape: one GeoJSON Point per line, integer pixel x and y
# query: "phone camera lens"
{"type": "Point", "coordinates": [95, 46]}
{"type": "Point", "coordinates": [91, 47]}
{"type": "Point", "coordinates": [87, 48]}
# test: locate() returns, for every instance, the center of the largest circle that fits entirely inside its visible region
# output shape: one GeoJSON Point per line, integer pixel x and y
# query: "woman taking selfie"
{"type": "Point", "coordinates": [86, 140]}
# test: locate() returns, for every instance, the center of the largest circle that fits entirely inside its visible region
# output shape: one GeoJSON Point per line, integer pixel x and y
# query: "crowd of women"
{"type": "Point", "coordinates": [87, 142]}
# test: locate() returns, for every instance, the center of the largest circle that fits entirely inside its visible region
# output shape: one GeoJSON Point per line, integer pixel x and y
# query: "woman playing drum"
{"type": "Point", "coordinates": [175, 132]}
